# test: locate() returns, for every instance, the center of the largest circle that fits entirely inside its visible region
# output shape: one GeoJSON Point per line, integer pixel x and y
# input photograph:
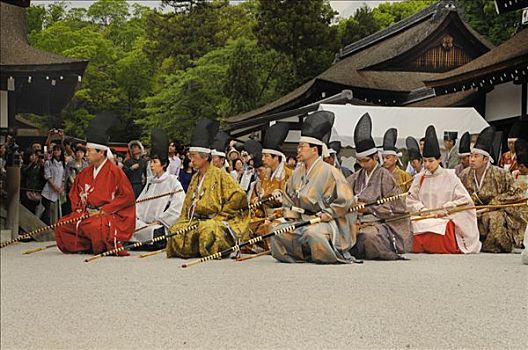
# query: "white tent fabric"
{"type": "Point", "coordinates": [410, 121]}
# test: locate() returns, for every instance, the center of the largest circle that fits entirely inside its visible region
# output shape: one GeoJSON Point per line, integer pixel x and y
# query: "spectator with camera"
{"type": "Point", "coordinates": [54, 174]}
{"type": "Point", "coordinates": [55, 136]}
{"type": "Point", "coordinates": [69, 154]}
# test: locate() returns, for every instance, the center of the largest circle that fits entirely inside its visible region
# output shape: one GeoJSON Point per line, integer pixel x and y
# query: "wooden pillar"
{"type": "Point", "coordinates": [13, 198]}
{"type": "Point", "coordinates": [524, 100]}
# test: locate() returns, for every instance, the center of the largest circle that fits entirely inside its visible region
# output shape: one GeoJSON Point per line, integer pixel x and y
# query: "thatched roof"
{"type": "Point", "coordinates": [342, 97]}
{"type": "Point", "coordinates": [284, 102]}
{"type": "Point", "coordinates": [21, 3]}
{"type": "Point", "coordinates": [42, 82]}
{"type": "Point", "coordinates": [361, 65]}
{"type": "Point", "coordinates": [505, 59]}
{"type": "Point", "coordinates": [433, 14]}
{"type": "Point", "coordinates": [457, 99]}
{"type": "Point", "coordinates": [15, 52]}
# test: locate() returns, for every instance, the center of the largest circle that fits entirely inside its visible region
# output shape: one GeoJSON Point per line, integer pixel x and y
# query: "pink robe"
{"type": "Point", "coordinates": [437, 190]}
{"type": "Point", "coordinates": [111, 192]}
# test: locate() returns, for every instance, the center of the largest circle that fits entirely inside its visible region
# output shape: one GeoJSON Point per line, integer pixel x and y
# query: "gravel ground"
{"type": "Point", "coordinates": [55, 301]}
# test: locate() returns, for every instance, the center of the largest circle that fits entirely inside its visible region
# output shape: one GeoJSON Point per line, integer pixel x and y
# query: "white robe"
{"type": "Point", "coordinates": [442, 189]}
{"type": "Point", "coordinates": [166, 209]}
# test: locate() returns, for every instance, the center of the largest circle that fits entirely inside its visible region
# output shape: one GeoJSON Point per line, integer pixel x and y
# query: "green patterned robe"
{"type": "Point", "coordinates": [220, 199]}
{"type": "Point", "coordinates": [500, 230]}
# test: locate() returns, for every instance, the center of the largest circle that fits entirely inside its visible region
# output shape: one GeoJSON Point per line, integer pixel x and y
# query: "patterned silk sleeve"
{"type": "Point", "coordinates": [342, 194]}
{"type": "Point", "coordinates": [234, 197]}
{"type": "Point", "coordinates": [510, 191]}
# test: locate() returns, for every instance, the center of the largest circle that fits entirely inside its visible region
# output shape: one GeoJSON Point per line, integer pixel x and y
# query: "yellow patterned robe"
{"type": "Point", "coordinates": [219, 199]}
{"type": "Point", "coordinates": [500, 230]}
{"type": "Point", "coordinates": [260, 223]}
{"type": "Point", "coordinates": [403, 179]}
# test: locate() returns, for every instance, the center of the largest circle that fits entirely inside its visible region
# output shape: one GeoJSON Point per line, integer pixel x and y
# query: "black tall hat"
{"type": "Point", "coordinates": [519, 130]}
{"type": "Point", "coordinates": [220, 143]}
{"type": "Point", "coordinates": [316, 129]}
{"type": "Point", "coordinates": [521, 150]}
{"type": "Point", "coordinates": [389, 142]}
{"type": "Point", "coordinates": [363, 141]}
{"type": "Point", "coordinates": [97, 135]}
{"type": "Point", "coordinates": [334, 147]}
{"type": "Point", "coordinates": [254, 148]}
{"type": "Point", "coordinates": [413, 148]}
{"type": "Point", "coordinates": [431, 148]}
{"type": "Point", "coordinates": [521, 146]}
{"type": "Point", "coordinates": [203, 135]}
{"type": "Point", "coordinates": [450, 135]}
{"type": "Point", "coordinates": [316, 126]}
{"type": "Point", "coordinates": [496, 147]}
{"type": "Point", "coordinates": [159, 145]}
{"type": "Point", "coordinates": [484, 142]}
{"type": "Point", "coordinates": [274, 138]}
{"type": "Point", "coordinates": [464, 146]}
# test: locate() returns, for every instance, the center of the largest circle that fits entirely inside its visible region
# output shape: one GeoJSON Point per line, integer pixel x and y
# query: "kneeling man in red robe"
{"type": "Point", "coordinates": [103, 190]}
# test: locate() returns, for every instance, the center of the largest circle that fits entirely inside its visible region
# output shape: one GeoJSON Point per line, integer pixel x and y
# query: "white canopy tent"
{"type": "Point", "coordinates": [410, 121]}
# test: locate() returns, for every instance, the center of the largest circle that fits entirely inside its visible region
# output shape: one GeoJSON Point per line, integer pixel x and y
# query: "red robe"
{"type": "Point", "coordinates": [110, 192]}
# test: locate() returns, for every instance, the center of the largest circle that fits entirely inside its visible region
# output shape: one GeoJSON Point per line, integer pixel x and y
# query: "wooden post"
{"type": "Point", "coordinates": [524, 100]}
{"type": "Point", "coordinates": [13, 199]}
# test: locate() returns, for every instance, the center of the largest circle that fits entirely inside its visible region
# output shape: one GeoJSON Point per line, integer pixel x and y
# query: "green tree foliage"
{"type": "Point", "coordinates": [242, 82]}
{"type": "Point", "coordinates": [366, 21]}
{"type": "Point", "coordinates": [176, 40]}
{"type": "Point", "coordinates": [183, 5]}
{"type": "Point", "coordinates": [119, 74]}
{"type": "Point", "coordinates": [301, 31]}
{"type": "Point", "coordinates": [207, 58]}
{"type": "Point", "coordinates": [107, 12]}
{"type": "Point", "coordinates": [184, 97]}
{"type": "Point", "coordinates": [482, 17]}
{"type": "Point", "coordinates": [35, 18]}
{"type": "Point", "coordinates": [360, 25]}
{"type": "Point", "coordinates": [387, 14]}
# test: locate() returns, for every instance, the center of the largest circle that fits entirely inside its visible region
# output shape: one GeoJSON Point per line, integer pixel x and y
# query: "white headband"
{"type": "Point", "coordinates": [218, 154]}
{"type": "Point", "coordinates": [364, 154]}
{"type": "Point", "coordinates": [199, 149]}
{"type": "Point", "coordinates": [315, 141]}
{"type": "Point", "coordinates": [274, 152]}
{"type": "Point", "coordinates": [391, 153]}
{"type": "Point", "coordinates": [96, 146]}
{"type": "Point", "coordinates": [109, 154]}
{"type": "Point", "coordinates": [482, 152]}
